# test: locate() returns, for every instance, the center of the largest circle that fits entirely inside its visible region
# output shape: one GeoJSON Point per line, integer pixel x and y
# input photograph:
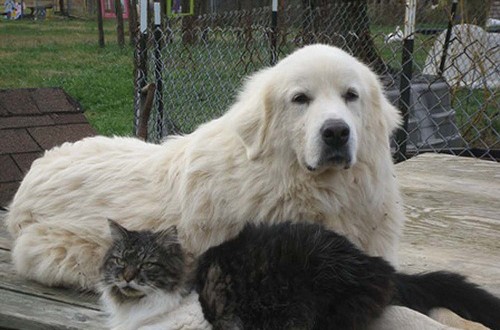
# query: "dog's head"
{"type": "Point", "coordinates": [319, 105]}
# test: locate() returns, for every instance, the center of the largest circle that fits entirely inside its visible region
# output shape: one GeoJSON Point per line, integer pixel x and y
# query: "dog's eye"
{"type": "Point", "coordinates": [351, 95]}
{"type": "Point", "coordinates": [301, 98]}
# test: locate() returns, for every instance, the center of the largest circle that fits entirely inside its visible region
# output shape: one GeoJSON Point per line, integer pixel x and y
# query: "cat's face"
{"type": "Point", "coordinates": [141, 262]}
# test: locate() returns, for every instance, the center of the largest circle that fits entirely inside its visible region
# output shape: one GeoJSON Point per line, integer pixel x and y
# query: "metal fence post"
{"type": "Point", "coordinates": [141, 62]}
{"type": "Point", "coordinates": [448, 36]}
{"type": "Point", "coordinates": [274, 30]}
{"type": "Point", "coordinates": [406, 76]}
{"type": "Point", "coordinates": [158, 68]}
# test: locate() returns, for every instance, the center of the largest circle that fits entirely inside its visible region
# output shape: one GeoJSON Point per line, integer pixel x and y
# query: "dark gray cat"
{"type": "Point", "coordinates": [284, 276]}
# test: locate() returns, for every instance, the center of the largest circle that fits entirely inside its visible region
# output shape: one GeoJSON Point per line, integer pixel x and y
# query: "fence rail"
{"type": "Point", "coordinates": [444, 74]}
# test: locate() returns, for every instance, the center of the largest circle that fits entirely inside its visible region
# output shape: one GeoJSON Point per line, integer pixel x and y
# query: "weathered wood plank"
{"type": "Point", "coordinates": [10, 280]}
{"type": "Point", "coordinates": [453, 209]}
{"type": "Point", "coordinates": [17, 311]}
{"type": "Point", "coordinates": [5, 239]}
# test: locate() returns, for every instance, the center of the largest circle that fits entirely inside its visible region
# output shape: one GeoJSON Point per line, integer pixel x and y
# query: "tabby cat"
{"type": "Point", "coordinates": [144, 283]}
{"type": "Point", "coordinates": [284, 276]}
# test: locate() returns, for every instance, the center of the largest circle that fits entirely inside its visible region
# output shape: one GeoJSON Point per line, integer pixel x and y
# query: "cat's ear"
{"type": "Point", "coordinates": [167, 236]}
{"type": "Point", "coordinates": [118, 232]}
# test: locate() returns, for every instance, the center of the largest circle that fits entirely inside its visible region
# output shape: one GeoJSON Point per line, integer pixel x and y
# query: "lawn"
{"type": "Point", "coordinates": [64, 53]}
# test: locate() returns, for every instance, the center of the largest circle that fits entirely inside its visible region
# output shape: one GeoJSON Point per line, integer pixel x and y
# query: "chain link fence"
{"type": "Point", "coordinates": [443, 75]}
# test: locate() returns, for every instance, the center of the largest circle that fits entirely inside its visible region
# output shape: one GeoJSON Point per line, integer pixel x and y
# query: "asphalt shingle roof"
{"type": "Point", "coordinates": [33, 120]}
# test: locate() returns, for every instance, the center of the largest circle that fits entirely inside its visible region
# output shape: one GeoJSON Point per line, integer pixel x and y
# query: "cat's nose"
{"type": "Point", "coordinates": [129, 273]}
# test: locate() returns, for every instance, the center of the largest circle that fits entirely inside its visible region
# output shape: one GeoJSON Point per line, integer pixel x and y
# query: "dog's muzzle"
{"type": "Point", "coordinates": [335, 134]}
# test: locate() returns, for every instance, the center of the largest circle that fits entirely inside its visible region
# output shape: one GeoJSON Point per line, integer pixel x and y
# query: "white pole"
{"type": "Point", "coordinates": [144, 16]}
{"type": "Point", "coordinates": [157, 11]}
{"type": "Point", "coordinates": [411, 9]}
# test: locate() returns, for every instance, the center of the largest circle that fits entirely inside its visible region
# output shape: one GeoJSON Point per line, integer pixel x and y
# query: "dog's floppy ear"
{"type": "Point", "coordinates": [392, 115]}
{"type": "Point", "coordinates": [254, 108]}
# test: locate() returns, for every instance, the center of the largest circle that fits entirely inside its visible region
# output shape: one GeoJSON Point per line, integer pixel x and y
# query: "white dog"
{"type": "Point", "coordinates": [307, 139]}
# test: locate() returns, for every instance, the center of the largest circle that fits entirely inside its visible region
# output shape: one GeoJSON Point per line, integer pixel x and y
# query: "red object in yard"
{"type": "Point", "coordinates": [108, 8]}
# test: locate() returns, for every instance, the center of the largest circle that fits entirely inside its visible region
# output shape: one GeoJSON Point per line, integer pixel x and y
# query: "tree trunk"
{"type": "Point", "coordinates": [344, 23]}
{"type": "Point", "coordinates": [61, 8]}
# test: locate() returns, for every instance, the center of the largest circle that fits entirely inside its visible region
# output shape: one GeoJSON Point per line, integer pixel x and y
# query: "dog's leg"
{"type": "Point", "coordinates": [397, 318]}
{"type": "Point", "coordinates": [60, 255]}
{"type": "Point", "coordinates": [445, 316]}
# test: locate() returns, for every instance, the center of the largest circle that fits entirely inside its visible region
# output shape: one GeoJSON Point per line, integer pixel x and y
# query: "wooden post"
{"type": "Point", "coordinates": [100, 24]}
{"type": "Point", "coordinates": [188, 24]}
{"type": "Point", "coordinates": [132, 20]}
{"type": "Point", "coordinates": [147, 94]}
{"type": "Point", "coordinates": [119, 23]}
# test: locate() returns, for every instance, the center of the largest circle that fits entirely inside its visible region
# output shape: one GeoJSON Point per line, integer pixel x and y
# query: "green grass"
{"type": "Point", "coordinates": [64, 53]}
{"type": "Point", "coordinates": [478, 116]}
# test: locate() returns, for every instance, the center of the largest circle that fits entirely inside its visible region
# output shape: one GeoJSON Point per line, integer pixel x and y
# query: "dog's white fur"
{"type": "Point", "coordinates": [263, 160]}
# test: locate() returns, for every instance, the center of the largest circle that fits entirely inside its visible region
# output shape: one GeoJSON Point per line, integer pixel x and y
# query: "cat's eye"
{"type": "Point", "coordinates": [351, 95]}
{"type": "Point", "coordinates": [118, 261]}
{"type": "Point", "coordinates": [148, 265]}
{"type": "Point", "coordinates": [301, 98]}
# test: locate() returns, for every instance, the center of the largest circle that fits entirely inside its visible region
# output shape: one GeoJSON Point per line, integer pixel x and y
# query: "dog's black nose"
{"type": "Point", "coordinates": [335, 133]}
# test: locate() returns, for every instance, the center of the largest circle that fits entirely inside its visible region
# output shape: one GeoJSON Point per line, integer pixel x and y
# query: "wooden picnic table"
{"type": "Point", "coordinates": [38, 8]}
{"type": "Point", "coordinates": [453, 208]}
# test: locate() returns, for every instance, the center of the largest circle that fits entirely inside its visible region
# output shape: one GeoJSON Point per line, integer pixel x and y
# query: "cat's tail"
{"type": "Point", "coordinates": [423, 292]}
